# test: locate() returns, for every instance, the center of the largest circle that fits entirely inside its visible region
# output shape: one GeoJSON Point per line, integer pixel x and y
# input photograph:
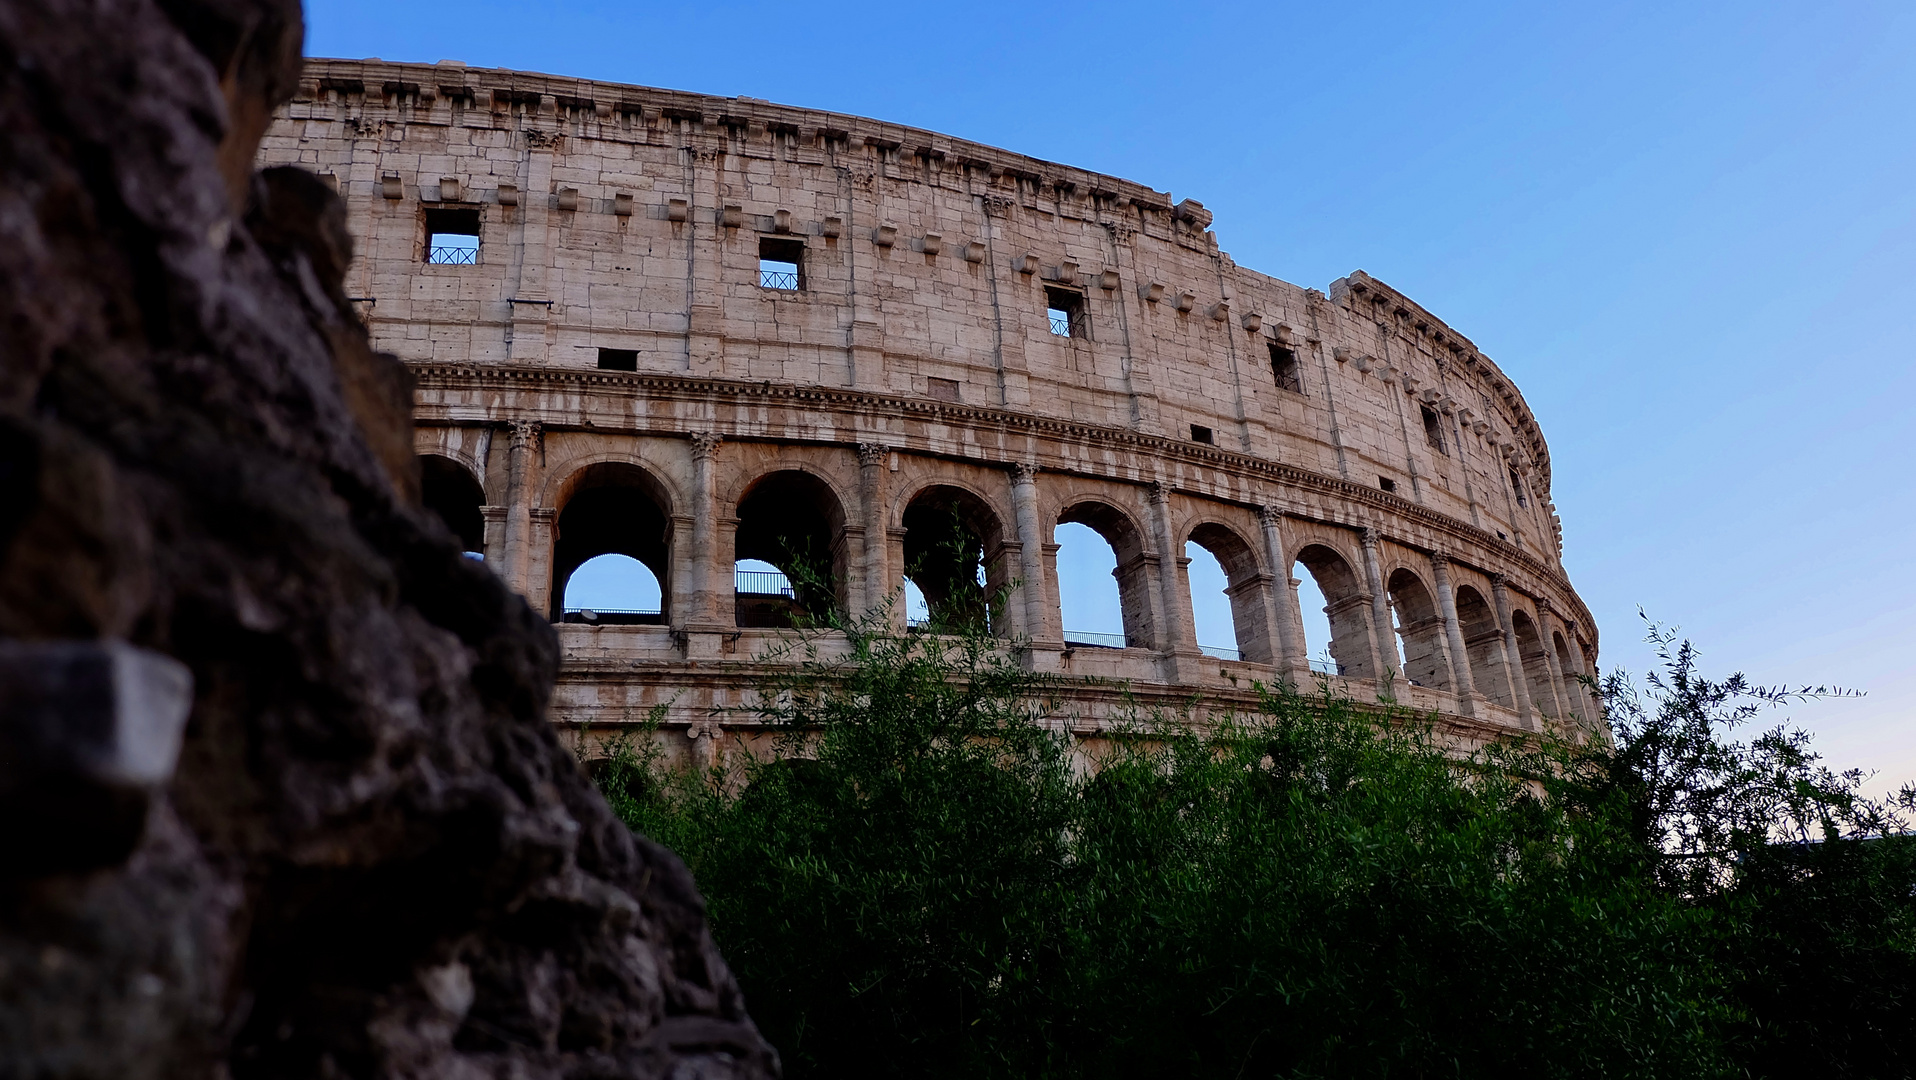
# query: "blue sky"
{"type": "Point", "coordinates": [1687, 231]}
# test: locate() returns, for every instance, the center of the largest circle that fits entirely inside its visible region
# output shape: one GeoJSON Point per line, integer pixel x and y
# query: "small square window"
{"type": "Point", "coordinates": [619, 359]}
{"type": "Point", "coordinates": [1433, 430]}
{"type": "Point", "coordinates": [452, 237]}
{"type": "Point", "coordinates": [1200, 433]}
{"type": "Point", "coordinates": [1516, 485]}
{"type": "Point", "coordinates": [1284, 369]}
{"type": "Point", "coordinates": [781, 263]}
{"type": "Point", "coordinates": [1387, 483]}
{"type": "Point", "coordinates": [1065, 309]}
{"type": "Point", "coordinates": [941, 389]}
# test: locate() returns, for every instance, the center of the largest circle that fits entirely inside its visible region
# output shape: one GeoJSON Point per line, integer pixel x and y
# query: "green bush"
{"type": "Point", "coordinates": [928, 881]}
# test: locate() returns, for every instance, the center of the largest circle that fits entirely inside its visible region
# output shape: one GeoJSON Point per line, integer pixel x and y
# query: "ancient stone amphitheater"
{"type": "Point", "coordinates": [694, 331]}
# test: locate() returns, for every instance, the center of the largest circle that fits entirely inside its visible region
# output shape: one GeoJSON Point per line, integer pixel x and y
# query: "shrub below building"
{"type": "Point", "coordinates": [929, 883]}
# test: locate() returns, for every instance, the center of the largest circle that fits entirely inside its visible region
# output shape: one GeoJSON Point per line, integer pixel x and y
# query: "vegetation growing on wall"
{"type": "Point", "coordinates": [928, 882]}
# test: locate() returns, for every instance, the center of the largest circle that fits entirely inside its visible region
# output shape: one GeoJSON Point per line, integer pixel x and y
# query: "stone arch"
{"type": "Point", "coordinates": [1484, 645]}
{"type": "Point", "coordinates": [452, 490]}
{"type": "Point", "coordinates": [1536, 666]}
{"type": "Point", "coordinates": [612, 508]}
{"type": "Point", "coordinates": [565, 478]}
{"type": "Point", "coordinates": [793, 519]}
{"type": "Point", "coordinates": [1245, 584]}
{"type": "Point", "coordinates": [1119, 529]}
{"type": "Point", "coordinates": [1346, 606]}
{"type": "Point", "coordinates": [954, 537]}
{"type": "Point", "coordinates": [1420, 629]}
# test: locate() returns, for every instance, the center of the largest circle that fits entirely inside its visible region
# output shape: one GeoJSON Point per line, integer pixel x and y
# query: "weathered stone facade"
{"type": "Point", "coordinates": [910, 368]}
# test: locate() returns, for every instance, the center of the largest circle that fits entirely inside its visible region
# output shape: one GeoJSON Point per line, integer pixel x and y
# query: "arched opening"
{"type": "Point", "coordinates": [1227, 595]}
{"type": "Point", "coordinates": [1484, 644]}
{"type": "Point", "coordinates": [1103, 597]}
{"type": "Point", "coordinates": [613, 509]}
{"type": "Point", "coordinates": [1536, 666]}
{"type": "Point", "coordinates": [790, 551]}
{"type": "Point", "coordinates": [1575, 694]}
{"type": "Point", "coordinates": [613, 589]}
{"type": "Point", "coordinates": [954, 558]}
{"type": "Point", "coordinates": [450, 490]}
{"type": "Point", "coordinates": [1420, 628]}
{"type": "Point", "coordinates": [1344, 632]}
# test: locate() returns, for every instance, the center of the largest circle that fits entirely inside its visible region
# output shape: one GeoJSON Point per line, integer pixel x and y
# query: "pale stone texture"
{"type": "Point", "coordinates": [630, 218]}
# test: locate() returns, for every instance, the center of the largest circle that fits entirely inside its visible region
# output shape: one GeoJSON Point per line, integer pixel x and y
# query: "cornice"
{"type": "Point", "coordinates": [436, 376]}
{"type": "Point", "coordinates": [555, 96]}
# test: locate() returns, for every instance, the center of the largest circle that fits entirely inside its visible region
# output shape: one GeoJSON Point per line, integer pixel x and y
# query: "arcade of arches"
{"type": "Point", "coordinates": [802, 535]}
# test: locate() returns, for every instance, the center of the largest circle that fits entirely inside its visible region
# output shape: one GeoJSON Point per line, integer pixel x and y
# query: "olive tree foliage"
{"type": "Point", "coordinates": [1700, 800]}
{"type": "Point", "coordinates": [930, 876]}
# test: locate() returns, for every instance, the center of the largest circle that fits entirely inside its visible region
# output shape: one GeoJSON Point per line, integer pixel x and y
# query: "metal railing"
{"type": "Point", "coordinates": [1218, 652]}
{"type": "Point", "coordinates": [452, 255]}
{"type": "Point", "coordinates": [761, 583]}
{"type": "Point", "coordinates": [1327, 667]}
{"type": "Point", "coordinates": [599, 616]}
{"type": "Point", "coordinates": [1060, 322]}
{"type": "Point", "coordinates": [1095, 641]}
{"type": "Point", "coordinates": [778, 279]}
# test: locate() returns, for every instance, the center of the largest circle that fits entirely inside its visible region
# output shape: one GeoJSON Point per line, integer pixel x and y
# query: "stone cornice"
{"type": "Point", "coordinates": [429, 376]}
{"type": "Point", "coordinates": [553, 99]}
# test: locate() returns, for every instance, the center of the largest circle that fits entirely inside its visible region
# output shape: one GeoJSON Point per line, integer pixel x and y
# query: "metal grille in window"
{"type": "Point", "coordinates": [454, 254]}
{"type": "Point", "coordinates": [761, 583]}
{"type": "Point", "coordinates": [1065, 309]}
{"type": "Point", "coordinates": [777, 275]}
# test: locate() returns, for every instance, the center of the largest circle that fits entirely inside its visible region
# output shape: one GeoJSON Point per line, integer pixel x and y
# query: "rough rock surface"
{"type": "Point", "coordinates": [374, 857]}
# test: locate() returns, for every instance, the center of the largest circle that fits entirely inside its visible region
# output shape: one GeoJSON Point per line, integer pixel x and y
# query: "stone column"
{"type": "Point", "coordinates": [1566, 710]}
{"type": "Point", "coordinates": [1513, 656]}
{"type": "Point", "coordinates": [1591, 709]}
{"type": "Point", "coordinates": [539, 583]}
{"type": "Point", "coordinates": [1460, 677]}
{"type": "Point", "coordinates": [529, 306]}
{"type": "Point", "coordinates": [874, 577]}
{"type": "Point", "coordinates": [521, 462]}
{"type": "Point", "coordinates": [494, 547]}
{"type": "Point", "coordinates": [702, 623]}
{"type": "Point", "coordinates": [1389, 660]}
{"type": "Point", "coordinates": [1032, 589]}
{"type": "Point", "coordinates": [1292, 660]}
{"type": "Point", "coordinates": [1174, 636]}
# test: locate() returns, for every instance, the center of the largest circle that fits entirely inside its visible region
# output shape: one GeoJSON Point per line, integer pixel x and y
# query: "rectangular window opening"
{"type": "Point", "coordinates": [781, 263]}
{"type": "Point", "coordinates": [1516, 485]}
{"type": "Point", "coordinates": [1065, 309]}
{"type": "Point", "coordinates": [1434, 430]}
{"type": "Point", "coordinates": [452, 237]}
{"type": "Point", "coordinates": [619, 359]}
{"type": "Point", "coordinates": [941, 389]}
{"type": "Point", "coordinates": [1284, 369]}
{"type": "Point", "coordinates": [1386, 483]}
{"type": "Point", "coordinates": [1200, 433]}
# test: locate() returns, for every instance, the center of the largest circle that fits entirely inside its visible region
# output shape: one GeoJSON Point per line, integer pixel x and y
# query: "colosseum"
{"type": "Point", "coordinates": [711, 333]}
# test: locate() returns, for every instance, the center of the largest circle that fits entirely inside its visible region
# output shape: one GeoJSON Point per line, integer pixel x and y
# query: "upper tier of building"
{"type": "Point", "coordinates": [522, 219]}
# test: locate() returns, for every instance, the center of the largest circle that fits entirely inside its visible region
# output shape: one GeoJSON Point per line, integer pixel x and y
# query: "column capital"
{"type": "Point", "coordinates": [705, 444]}
{"type": "Point", "coordinates": [1368, 537]}
{"type": "Point", "coordinates": [1439, 559]}
{"type": "Point", "coordinates": [1270, 515]}
{"type": "Point", "coordinates": [872, 453]}
{"type": "Point", "coordinates": [525, 434]}
{"type": "Point", "coordinates": [1160, 492]}
{"type": "Point", "coordinates": [1023, 472]}
{"type": "Point", "coordinates": [1498, 580]}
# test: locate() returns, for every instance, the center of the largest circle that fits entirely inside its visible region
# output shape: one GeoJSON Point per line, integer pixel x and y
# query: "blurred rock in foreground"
{"type": "Point", "coordinates": [364, 853]}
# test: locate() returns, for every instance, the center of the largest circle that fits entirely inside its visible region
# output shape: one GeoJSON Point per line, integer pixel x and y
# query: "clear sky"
{"type": "Point", "coordinates": [1687, 231]}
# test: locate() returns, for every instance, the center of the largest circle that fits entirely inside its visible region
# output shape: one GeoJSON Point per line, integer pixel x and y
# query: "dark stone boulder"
{"type": "Point", "coordinates": [366, 853]}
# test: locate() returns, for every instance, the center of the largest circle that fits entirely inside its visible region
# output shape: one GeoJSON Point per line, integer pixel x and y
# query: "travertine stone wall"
{"type": "Point", "coordinates": [1394, 460]}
